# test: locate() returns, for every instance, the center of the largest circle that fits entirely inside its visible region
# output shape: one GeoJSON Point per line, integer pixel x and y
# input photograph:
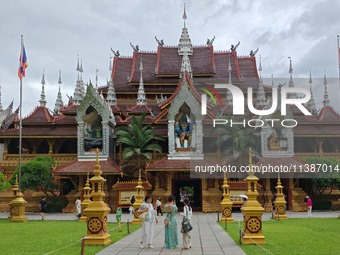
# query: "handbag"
{"type": "Point", "coordinates": [142, 216]}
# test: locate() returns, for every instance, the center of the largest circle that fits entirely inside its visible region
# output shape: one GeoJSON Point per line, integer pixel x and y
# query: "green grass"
{"type": "Point", "coordinates": [294, 236]}
{"type": "Point", "coordinates": [40, 237]}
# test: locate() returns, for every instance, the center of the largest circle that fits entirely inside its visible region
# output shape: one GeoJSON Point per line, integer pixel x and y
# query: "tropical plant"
{"type": "Point", "coordinates": [4, 184]}
{"type": "Point", "coordinates": [36, 175]}
{"type": "Point", "coordinates": [326, 180]}
{"type": "Point", "coordinates": [137, 140]}
{"type": "Point", "coordinates": [235, 141]}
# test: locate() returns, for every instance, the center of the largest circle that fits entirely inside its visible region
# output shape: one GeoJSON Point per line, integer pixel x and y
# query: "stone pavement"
{"type": "Point", "coordinates": [207, 237]}
{"type": "Point", "coordinates": [207, 216]}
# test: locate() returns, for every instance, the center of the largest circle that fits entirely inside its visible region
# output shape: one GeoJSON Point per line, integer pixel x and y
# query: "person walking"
{"type": "Point", "coordinates": [78, 207]}
{"type": "Point", "coordinates": [43, 206]}
{"type": "Point", "coordinates": [148, 224]}
{"type": "Point", "coordinates": [171, 238]}
{"type": "Point", "coordinates": [132, 201]}
{"type": "Point", "coordinates": [309, 203]}
{"type": "Point", "coordinates": [158, 204]}
{"type": "Point", "coordinates": [187, 213]}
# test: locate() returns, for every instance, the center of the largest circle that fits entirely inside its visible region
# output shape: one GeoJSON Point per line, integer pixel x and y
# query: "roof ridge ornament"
{"type": "Point", "coordinates": [135, 48]}
{"type": "Point", "coordinates": [233, 48]}
{"type": "Point", "coordinates": [210, 42]}
{"type": "Point", "coordinates": [160, 42]}
{"type": "Point", "coordinates": [253, 53]}
{"type": "Point", "coordinates": [116, 53]}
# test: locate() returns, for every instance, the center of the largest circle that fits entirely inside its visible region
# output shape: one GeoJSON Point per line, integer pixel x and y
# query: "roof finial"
{"type": "Point", "coordinates": [78, 67]}
{"type": "Point", "coordinates": [311, 102]}
{"type": "Point", "coordinates": [1, 109]}
{"type": "Point", "coordinates": [141, 97]}
{"type": "Point", "coordinates": [59, 105]}
{"type": "Point", "coordinates": [184, 15]}
{"type": "Point", "coordinates": [185, 46]}
{"type": "Point", "coordinates": [325, 95]}
{"type": "Point", "coordinates": [110, 66]}
{"type": "Point", "coordinates": [79, 91]}
{"type": "Point", "coordinates": [261, 95]}
{"type": "Point", "coordinates": [42, 95]}
{"type": "Point", "coordinates": [97, 78]}
{"type": "Point", "coordinates": [229, 70]}
{"type": "Point", "coordinates": [260, 66]}
{"type": "Point", "coordinates": [291, 83]}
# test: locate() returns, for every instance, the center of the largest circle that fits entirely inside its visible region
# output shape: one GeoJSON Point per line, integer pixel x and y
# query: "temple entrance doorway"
{"type": "Point", "coordinates": [188, 188]}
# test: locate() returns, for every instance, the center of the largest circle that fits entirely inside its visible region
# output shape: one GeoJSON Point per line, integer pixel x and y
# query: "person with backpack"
{"type": "Point", "coordinates": [171, 238]}
{"type": "Point", "coordinates": [186, 224]}
{"type": "Point", "coordinates": [148, 217]}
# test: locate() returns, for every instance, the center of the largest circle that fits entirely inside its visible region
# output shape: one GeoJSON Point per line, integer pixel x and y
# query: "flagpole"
{"type": "Point", "coordinates": [20, 116]}
{"type": "Point", "coordinates": [339, 68]}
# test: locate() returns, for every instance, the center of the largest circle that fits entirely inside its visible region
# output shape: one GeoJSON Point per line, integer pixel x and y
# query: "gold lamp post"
{"type": "Point", "coordinates": [280, 203]}
{"type": "Point", "coordinates": [97, 211]}
{"type": "Point", "coordinates": [17, 205]}
{"type": "Point", "coordinates": [86, 201]}
{"type": "Point", "coordinates": [226, 202]}
{"type": "Point", "coordinates": [138, 201]}
{"type": "Point", "coordinates": [252, 211]}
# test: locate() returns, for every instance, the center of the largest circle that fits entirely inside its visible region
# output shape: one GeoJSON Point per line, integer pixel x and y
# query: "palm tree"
{"type": "Point", "coordinates": [235, 141]}
{"type": "Point", "coordinates": [137, 140]}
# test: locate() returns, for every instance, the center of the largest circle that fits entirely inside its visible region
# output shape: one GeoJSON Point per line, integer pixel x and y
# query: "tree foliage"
{"type": "Point", "coordinates": [137, 140]}
{"type": "Point", "coordinates": [36, 175]}
{"type": "Point", "coordinates": [4, 184]}
{"type": "Point", "coordinates": [234, 142]}
{"type": "Point", "coordinates": [325, 180]}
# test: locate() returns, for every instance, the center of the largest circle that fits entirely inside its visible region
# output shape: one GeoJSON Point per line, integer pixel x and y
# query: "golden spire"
{"type": "Point", "coordinates": [97, 171]}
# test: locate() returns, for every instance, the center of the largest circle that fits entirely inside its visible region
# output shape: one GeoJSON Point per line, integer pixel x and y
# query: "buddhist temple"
{"type": "Point", "coordinates": [167, 85]}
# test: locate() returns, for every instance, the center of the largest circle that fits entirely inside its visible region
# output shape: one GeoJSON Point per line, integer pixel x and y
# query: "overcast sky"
{"type": "Point", "coordinates": [55, 32]}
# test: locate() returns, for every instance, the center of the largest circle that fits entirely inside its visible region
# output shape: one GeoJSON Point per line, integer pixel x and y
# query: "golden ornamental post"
{"type": "Point", "coordinates": [280, 203]}
{"type": "Point", "coordinates": [86, 201]}
{"type": "Point", "coordinates": [17, 205]}
{"type": "Point", "coordinates": [252, 211]}
{"type": "Point", "coordinates": [97, 211]}
{"type": "Point", "coordinates": [226, 202]}
{"type": "Point", "coordinates": [139, 200]}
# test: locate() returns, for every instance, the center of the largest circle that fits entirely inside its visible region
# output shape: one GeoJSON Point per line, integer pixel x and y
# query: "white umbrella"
{"type": "Point", "coordinates": [243, 196]}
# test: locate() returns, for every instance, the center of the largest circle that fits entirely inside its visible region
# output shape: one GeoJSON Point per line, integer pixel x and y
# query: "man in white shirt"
{"type": "Point", "coordinates": [158, 204]}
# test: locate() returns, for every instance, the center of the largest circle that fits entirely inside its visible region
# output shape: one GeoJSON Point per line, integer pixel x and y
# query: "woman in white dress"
{"type": "Point", "coordinates": [187, 213]}
{"type": "Point", "coordinates": [78, 207]}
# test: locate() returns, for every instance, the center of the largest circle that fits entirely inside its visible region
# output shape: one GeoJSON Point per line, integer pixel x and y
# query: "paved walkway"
{"type": "Point", "coordinates": [207, 238]}
{"type": "Point", "coordinates": [207, 216]}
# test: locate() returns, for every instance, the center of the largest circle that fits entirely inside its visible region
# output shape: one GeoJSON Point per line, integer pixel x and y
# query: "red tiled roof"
{"type": "Point", "coordinates": [72, 109]}
{"type": "Point", "coordinates": [169, 62]}
{"type": "Point", "coordinates": [130, 185]}
{"type": "Point", "coordinates": [176, 164]}
{"type": "Point", "coordinates": [312, 130]}
{"type": "Point", "coordinates": [116, 109]}
{"type": "Point", "coordinates": [328, 114]}
{"type": "Point", "coordinates": [83, 167]}
{"type": "Point", "coordinates": [46, 130]}
{"type": "Point", "coordinates": [280, 162]}
{"type": "Point", "coordinates": [39, 115]}
{"type": "Point", "coordinates": [63, 119]}
{"type": "Point", "coordinates": [139, 109]}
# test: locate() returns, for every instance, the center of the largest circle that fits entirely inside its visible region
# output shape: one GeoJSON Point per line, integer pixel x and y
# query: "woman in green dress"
{"type": "Point", "coordinates": [171, 239]}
